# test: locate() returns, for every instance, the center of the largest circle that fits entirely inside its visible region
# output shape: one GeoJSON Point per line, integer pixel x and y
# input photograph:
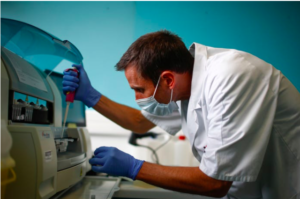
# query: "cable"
{"type": "Point", "coordinates": [133, 141]}
{"type": "Point", "coordinates": [163, 144]}
{"type": "Point", "coordinates": [160, 146]}
{"type": "Point", "coordinates": [153, 152]}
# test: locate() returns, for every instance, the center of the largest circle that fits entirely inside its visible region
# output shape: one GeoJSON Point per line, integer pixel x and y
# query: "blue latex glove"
{"type": "Point", "coordinates": [85, 92]}
{"type": "Point", "coordinates": [112, 161]}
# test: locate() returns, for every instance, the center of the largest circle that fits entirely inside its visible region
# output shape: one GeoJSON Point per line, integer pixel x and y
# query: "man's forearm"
{"type": "Point", "coordinates": [183, 179]}
{"type": "Point", "coordinates": [127, 117]}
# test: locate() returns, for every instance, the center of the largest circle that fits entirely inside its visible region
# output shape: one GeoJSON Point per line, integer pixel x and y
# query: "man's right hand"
{"type": "Point", "coordinates": [84, 90]}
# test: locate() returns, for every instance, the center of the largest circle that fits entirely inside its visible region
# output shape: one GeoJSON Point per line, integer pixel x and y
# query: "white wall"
{"type": "Point", "coordinates": [104, 132]}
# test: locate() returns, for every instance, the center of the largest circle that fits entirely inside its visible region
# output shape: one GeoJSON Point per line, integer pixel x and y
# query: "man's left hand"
{"type": "Point", "coordinates": [112, 161]}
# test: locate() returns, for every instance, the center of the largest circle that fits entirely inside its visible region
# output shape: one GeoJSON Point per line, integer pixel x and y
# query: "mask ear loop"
{"type": "Point", "coordinates": [156, 86]}
{"type": "Point", "coordinates": [171, 96]}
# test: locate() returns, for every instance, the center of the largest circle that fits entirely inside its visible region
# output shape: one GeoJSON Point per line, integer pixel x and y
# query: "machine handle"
{"type": "Point", "coordinates": [134, 136]}
{"type": "Point", "coordinates": [9, 180]}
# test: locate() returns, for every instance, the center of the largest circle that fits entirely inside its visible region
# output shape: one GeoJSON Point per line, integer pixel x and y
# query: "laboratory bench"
{"type": "Point", "coordinates": [98, 187]}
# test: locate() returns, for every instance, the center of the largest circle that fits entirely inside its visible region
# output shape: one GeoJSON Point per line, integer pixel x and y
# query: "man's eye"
{"type": "Point", "coordinates": [140, 90]}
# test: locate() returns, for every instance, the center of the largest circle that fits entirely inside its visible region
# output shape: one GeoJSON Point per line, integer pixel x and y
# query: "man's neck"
{"type": "Point", "coordinates": [184, 86]}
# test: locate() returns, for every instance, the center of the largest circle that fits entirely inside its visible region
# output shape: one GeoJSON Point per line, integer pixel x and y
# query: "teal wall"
{"type": "Point", "coordinates": [269, 30]}
{"type": "Point", "coordinates": [104, 30]}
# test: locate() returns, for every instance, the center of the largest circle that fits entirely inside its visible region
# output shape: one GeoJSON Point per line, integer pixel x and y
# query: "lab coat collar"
{"type": "Point", "coordinates": [198, 49]}
{"type": "Point", "coordinates": [200, 57]}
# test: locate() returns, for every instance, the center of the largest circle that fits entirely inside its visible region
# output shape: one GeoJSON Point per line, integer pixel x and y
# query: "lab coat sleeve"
{"type": "Point", "coordinates": [170, 123]}
{"type": "Point", "coordinates": [240, 104]}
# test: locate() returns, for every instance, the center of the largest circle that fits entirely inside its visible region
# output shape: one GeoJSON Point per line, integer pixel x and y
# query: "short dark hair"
{"type": "Point", "coordinates": [156, 52]}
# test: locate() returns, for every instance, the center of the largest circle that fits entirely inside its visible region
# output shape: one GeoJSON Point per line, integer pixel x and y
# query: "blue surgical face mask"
{"type": "Point", "coordinates": [152, 106]}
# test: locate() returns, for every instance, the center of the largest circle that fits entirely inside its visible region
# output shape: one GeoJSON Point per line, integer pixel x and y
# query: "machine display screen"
{"type": "Point", "coordinates": [76, 110]}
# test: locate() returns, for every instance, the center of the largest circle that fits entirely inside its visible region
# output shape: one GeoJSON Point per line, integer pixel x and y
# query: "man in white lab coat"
{"type": "Point", "coordinates": [240, 114]}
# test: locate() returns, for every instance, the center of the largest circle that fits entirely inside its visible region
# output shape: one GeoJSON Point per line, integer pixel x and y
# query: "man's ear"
{"type": "Point", "coordinates": [168, 77]}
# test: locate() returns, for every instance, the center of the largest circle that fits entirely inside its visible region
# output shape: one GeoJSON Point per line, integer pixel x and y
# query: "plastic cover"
{"type": "Point", "coordinates": [36, 46]}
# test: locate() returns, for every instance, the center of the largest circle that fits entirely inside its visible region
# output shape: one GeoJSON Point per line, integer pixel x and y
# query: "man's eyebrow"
{"type": "Point", "coordinates": [136, 87]}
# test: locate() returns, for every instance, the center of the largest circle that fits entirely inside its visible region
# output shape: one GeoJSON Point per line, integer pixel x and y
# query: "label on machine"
{"type": "Point", "coordinates": [48, 156]}
{"type": "Point", "coordinates": [45, 134]}
{"type": "Point", "coordinates": [27, 74]}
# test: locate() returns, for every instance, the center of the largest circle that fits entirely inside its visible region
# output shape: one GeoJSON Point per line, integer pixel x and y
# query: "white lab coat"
{"type": "Point", "coordinates": [243, 123]}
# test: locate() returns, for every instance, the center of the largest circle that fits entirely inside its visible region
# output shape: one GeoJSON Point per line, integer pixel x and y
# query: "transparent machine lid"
{"type": "Point", "coordinates": [36, 46]}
